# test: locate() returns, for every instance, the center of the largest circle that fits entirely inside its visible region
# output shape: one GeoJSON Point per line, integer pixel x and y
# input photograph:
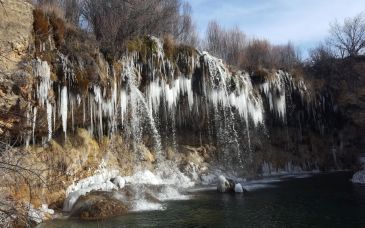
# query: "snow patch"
{"type": "Point", "coordinates": [119, 182]}
{"type": "Point", "coordinates": [238, 188]}
{"type": "Point", "coordinates": [39, 215]}
{"type": "Point", "coordinates": [100, 181]}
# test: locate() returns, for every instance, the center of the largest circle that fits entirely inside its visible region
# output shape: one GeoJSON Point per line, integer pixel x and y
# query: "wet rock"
{"type": "Point", "coordinates": [239, 189]}
{"type": "Point", "coordinates": [119, 182]}
{"type": "Point", "coordinates": [359, 177]}
{"type": "Point", "coordinates": [225, 185]}
{"type": "Point", "coordinates": [98, 205]}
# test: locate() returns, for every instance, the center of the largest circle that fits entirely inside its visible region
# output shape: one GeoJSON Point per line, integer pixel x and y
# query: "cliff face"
{"type": "Point", "coordinates": [16, 32]}
{"type": "Point", "coordinates": [160, 95]}
{"type": "Point", "coordinates": [342, 83]}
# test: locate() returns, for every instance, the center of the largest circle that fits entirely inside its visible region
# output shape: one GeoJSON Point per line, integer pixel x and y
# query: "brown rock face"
{"type": "Point", "coordinates": [16, 26]}
{"type": "Point", "coordinates": [97, 206]}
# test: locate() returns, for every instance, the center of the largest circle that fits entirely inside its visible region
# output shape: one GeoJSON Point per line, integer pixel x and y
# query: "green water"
{"type": "Point", "coordinates": [325, 200]}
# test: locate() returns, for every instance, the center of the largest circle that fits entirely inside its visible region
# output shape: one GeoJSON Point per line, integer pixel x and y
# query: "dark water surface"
{"type": "Point", "coordinates": [324, 200]}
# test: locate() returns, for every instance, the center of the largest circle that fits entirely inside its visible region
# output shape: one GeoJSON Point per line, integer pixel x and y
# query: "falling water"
{"type": "Point", "coordinates": [137, 102]}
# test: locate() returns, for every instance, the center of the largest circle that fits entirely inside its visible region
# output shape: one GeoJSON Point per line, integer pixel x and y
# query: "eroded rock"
{"type": "Point", "coordinates": [225, 185]}
{"type": "Point", "coordinates": [98, 205]}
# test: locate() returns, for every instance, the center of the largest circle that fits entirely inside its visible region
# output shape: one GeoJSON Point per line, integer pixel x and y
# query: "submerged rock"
{"type": "Point", "coordinates": [359, 177]}
{"type": "Point", "coordinates": [98, 205]}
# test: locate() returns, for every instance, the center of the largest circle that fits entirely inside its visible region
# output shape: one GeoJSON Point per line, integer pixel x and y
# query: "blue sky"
{"type": "Point", "coordinates": [303, 22]}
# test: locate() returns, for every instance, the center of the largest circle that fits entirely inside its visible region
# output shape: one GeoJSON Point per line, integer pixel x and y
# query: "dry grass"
{"type": "Point", "coordinates": [169, 46]}
{"type": "Point", "coordinates": [82, 81]}
{"type": "Point", "coordinates": [144, 46]}
{"type": "Point", "coordinates": [261, 74]}
{"type": "Point", "coordinates": [52, 9]}
{"type": "Point", "coordinates": [40, 26]}
{"type": "Point", "coordinates": [58, 29]}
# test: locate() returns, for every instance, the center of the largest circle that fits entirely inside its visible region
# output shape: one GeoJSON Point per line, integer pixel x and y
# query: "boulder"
{"type": "Point", "coordinates": [238, 188]}
{"type": "Point", "coordinates": [359, 177]}
{"type": "Point", "coordinates": [119, 182]}
{"type": "Point", "coordinates": [97, 206]}
{"type": "Point", "coordinates": [225, 185]}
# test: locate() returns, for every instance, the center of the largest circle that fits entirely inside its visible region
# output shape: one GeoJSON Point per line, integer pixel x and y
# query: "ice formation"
{"type": "Point", "coordinates": [119, 182]}
{"type": "Point", "coordinates": [43, 72]}
{"type": "Point", "coordinates": [238, 188]}
{"type": "Point", "coordinates": [64, 108]}
{"type": "Point", "coordinates": [38, 215]}
{"type": "Point", "coordinates": [165, 184]}
{"type": "Point", "coordinates": [168, 96]}
{"type": "Point", "coordinates": [359, 177]}
{"type": "Point", "coordinates": [179, 95]}
{"type": "Point", "coordinates": [100, 181]}
{"type": "Point", "coordinates": [275, 91]}
{"type": "Point", "coordinates": [160, 95]}
{"type": "Point", "coordinates": [222, 184]}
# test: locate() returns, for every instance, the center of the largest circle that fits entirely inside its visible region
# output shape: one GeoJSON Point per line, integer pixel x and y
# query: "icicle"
{"type": "Point", "coordinates": [27, 139]}
{"type": "Point", "coordinates": [123, 104]}
{"type": "Point", "coordinates": [64, 108]}
{"type": "Point", "coordinates": [34, 123]}
{"type": "Point", "coordinates": [98, 99]}
{"type": "Point", "coordinates": [43, 72]}
{"type": "Point", "coordinates": [49, 120]}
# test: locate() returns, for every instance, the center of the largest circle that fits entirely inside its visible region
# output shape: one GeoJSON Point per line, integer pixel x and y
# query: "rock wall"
{"type": "Point", "coordinates": [16, 32]}
{"type": "Point", "coordinates": [16, 29]}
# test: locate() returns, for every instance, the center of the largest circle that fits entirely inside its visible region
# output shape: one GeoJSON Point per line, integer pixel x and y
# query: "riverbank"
{"type": "Point", "coordinates": [321, 200]}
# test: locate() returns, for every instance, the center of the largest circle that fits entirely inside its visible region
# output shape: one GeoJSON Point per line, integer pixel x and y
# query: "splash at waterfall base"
{"type": "Point", "coordinates": [85, 178]}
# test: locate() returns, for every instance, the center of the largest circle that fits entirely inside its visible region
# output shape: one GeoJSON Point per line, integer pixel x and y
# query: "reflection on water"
{"type": "Point", "coordinates": [327, 200]}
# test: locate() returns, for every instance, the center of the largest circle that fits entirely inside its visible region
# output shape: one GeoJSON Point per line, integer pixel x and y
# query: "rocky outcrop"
{"type": "Point", "coordinates": [47, 171]}
{"type": "Point", "coordinates": [225, 185]}
{"type": "Point", "coordinates": [359, 177]}
{"type": "Point", "coordinates": [98, 206]}
{"type": "Point", "coordinates": [16, 28]}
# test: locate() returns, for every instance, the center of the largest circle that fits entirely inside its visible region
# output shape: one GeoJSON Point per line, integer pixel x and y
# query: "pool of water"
{"type": "Point", "coordinates": [323, 200]}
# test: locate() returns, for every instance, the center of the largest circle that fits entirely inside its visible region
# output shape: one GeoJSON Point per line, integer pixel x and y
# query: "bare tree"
{"type": "Point", "coordinates": [258, 53]}
{"type": "Point", "coordinates": [284, 56]}
{"type": "Point", "coordinates": [235, 46]}
{"type": "Point", "coordinates": [348, 38]}
{"type": "Point", "coordinates": [226, 44]}
{"type": "Point", "coordinates": [72, 10]}
{"type": "Point", "coordinates": [215, 39]}
{"type": "Point", "coordinates": [16, 171]}
{"type": "Point", "coordinates": [321, 53]}
{"type": "Point", "coordinates": [186, 30]}
{"type": "Point", "coordinates": [116, 21]}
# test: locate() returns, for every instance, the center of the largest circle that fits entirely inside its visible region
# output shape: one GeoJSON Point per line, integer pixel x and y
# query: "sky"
{"type": "Point", "coordinates": [303, 22]}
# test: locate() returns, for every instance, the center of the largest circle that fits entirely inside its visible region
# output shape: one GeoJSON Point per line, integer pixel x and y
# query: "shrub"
{"type": "Point", "coordinates": [169, 46]}
{"type": "Point", "coordinates": [144, 46]}
{"type": "Point", "coordinates": [40, 26]}
{"type": "Point", "coordinates": [58, 26]}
